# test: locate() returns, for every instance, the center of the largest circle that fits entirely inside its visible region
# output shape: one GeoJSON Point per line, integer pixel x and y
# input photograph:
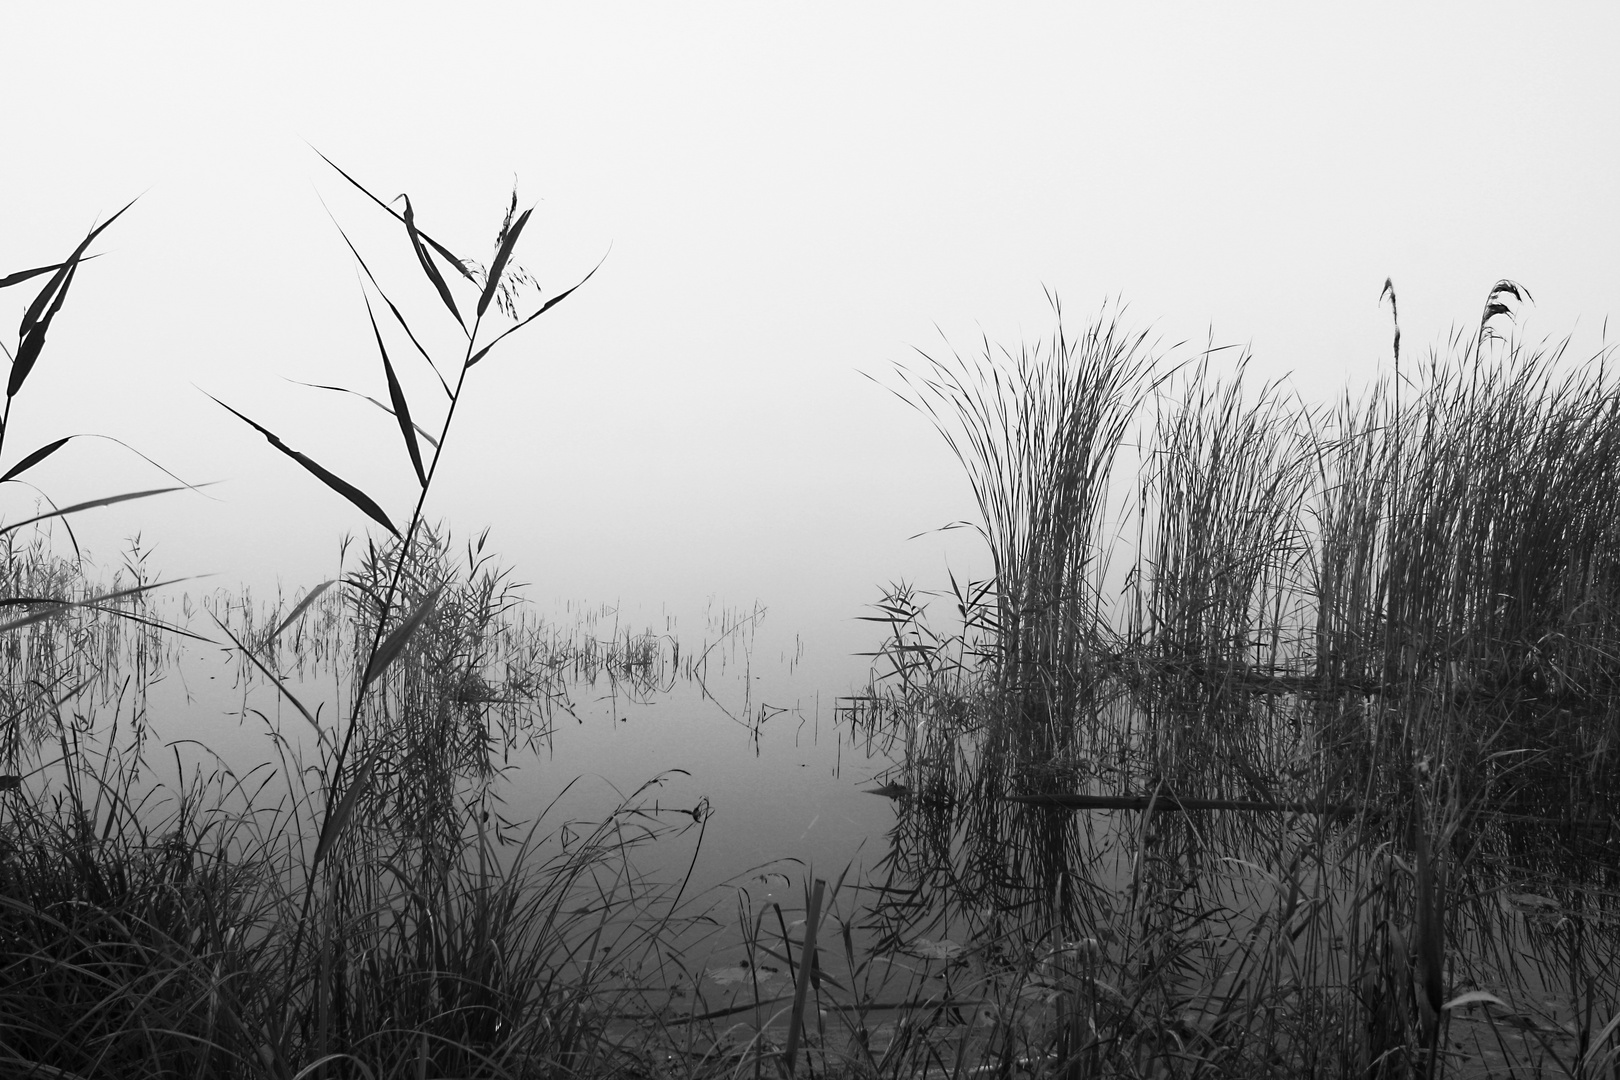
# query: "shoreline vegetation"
{"type": "Point", "coordinates": [1308, 769]}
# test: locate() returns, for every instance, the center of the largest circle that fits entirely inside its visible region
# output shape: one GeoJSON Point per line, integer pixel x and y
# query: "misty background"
{"type": "Point", "coordinates": [790, 200]}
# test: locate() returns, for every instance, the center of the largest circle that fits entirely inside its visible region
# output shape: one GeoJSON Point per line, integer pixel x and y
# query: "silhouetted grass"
{"type": "Point", "coordinates": [1390, 622]}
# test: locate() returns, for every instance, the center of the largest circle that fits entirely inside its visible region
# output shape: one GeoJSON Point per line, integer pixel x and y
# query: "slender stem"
{"type": "Point", "coordinates": [400, 561]}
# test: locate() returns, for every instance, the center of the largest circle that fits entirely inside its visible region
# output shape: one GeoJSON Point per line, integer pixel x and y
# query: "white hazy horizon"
{"type": "Point", "coordinates": [789, 200]}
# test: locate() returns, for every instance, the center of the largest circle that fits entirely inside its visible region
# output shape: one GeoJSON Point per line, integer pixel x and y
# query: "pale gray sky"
{"type": "Point", "coordinates": [793, 194]}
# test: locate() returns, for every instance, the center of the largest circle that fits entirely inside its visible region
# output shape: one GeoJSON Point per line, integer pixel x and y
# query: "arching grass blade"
{"type": "Point", "coordinates": [359, 498]}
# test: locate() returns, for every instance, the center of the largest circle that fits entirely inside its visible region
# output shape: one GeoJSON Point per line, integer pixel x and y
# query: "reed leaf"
{"type": "Point", "coordinates": [426, 262]}
{"type": "Point", "coordinates": [392, 307]}
{"type": "Point", "coordinates": [33, 341]}
{"type": "Point", "coordinates": [37, 319]}
{"type": "Point", "coordinates": [545, 307]}
{"type": "Point", "coordinates": [421, 432]}
{"type": "Point", "coordinates": [498, 267]}
{"type": "Point", "coordinates": [396, 394]}
{"type": "Point", "coordinates": [23, 275]}
{"type": "Point", "coordinates": [302, 606]}
{"type": "Point", "coordinates": [35, 458]}
{"type": "Point", "coordinates": [391, 646]}
{"type": "Point", "coordinates": [52, 606]}
{"type": "Point", "coordinates": [444, 252]}
{"type": "Point", "coordinates": [359, 498]}
{"type": "Point", "coordinates": [338, 819]}
{"type": "Point", "coordinates": [53, 289]}
{"type": "Point", "coordinates": [91, 504]}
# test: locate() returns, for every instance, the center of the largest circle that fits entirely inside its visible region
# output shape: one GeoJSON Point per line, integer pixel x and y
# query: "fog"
{"type": "Point", "coordinates": [785, 202]}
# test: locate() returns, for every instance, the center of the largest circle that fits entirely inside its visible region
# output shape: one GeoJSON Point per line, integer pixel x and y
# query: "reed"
{"type": "Point", "coordinates": [1359, 683]}
{"type": "Point", "coordinates": [359, 907]}
{"type": "Point", "coordinates": [1038, 433]}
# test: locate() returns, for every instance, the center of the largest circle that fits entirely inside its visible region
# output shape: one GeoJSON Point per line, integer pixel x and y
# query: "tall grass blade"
{"type": "Point", "coordinates": [402, 411]}
{"type": "Point", "coordinates": [320, 472]}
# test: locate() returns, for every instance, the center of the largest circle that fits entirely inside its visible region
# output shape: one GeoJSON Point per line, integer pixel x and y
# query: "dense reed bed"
{"type": "Point", "coordinates": [1315, 760]}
